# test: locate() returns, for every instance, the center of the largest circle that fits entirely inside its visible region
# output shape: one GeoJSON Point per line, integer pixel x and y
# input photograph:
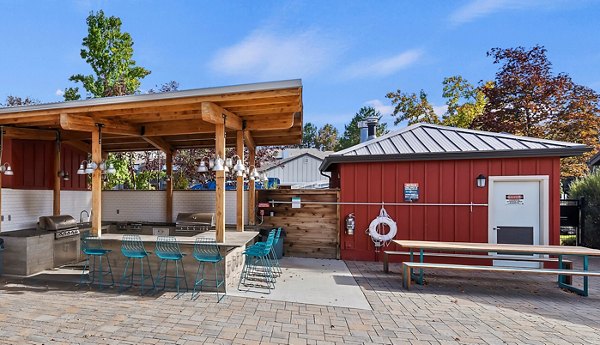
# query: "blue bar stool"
{"type": "Point", "coordinates": [258, 266]}
{"type": "Point", "coordinates": [133, 248]}
{"type": "Point", "coordinates": [206, 251]}
{"type": "Point", "coordinates": [167, 249]}
{"type": "Point", "coordinates": [272, 254]}
{"type": "Point", "coordinates": [92, 247]}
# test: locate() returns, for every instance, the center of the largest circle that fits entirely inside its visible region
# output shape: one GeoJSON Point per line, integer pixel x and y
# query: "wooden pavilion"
{"type": "Point", "coordinates": [239, 116]}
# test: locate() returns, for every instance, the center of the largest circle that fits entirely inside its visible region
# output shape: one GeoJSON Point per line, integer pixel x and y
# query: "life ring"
{"type": "Point", "coordinates": [376, 236]}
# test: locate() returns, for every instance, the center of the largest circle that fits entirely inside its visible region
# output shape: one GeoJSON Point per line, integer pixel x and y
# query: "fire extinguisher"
{"type": "Point", "coordinates": [350, 224]}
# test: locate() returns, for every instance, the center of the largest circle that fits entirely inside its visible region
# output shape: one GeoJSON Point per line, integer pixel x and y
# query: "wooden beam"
{"type": "Point", "coordinates": [20, 119]}
{"type": "Point", "coordinates": [141, 104]}
{"type": "Point", "coordinates": [169, 187]}
{"type": "Point", "coordinates": [79, 145]}
{"type": "Point", "coordinates": [0, 201]}
{"type": "Point", "coordinates": [29, 133]}
{"type": "Point", "coordinates": [249, 142]}
{"type": "Point", "coordinates": [56, 189]}
{"type": "Point", "coordinates": [96, 185]}
{"type": "Point", "coordinates": [87, 124]}
{"type": "Point", "coordinates": [220, 190]}
{"type": "Point", "coordinates": [160, 143]}
{"type": "Point", "coordinates": [258, 123]}
{"type": "Point", "coordinates": [240, 183]}
{"type": "Point", "coordinates": [178, 128]}
{"type": "Point", "coordinates": [251, 189]}
{"type": "Point", "coordinates": [213, 113]}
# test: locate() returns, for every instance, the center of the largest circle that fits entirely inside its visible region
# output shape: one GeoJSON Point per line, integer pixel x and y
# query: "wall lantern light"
{"type": "Point", "coordinates": [6, 169]}
{"type": "Point", "coordinates": [64, 175]}
{"type": "Point", "coordinates": [481, 181]}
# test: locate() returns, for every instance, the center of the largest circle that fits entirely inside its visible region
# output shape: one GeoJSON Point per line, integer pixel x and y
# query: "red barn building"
{"type": "Point", "coordinates": [426, 176]}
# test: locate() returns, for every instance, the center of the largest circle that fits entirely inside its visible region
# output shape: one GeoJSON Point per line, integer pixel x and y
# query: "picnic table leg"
{"type": "Point", "coordinates": [410, 276]}
{"type": "Point", "coordinates": [585, 278]}
{"type": "Point", "coordinates": [386, 267]}
{"type": "Point", "coordinates": [421, 278]}
{"type": "Point", "coordinates": [561, 278]}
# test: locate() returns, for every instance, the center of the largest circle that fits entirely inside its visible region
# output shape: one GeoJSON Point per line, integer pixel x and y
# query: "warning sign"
{"type": "Point", "coordinates": [411, 192]}
{"type": "Point", "coordinates": [515, 199]}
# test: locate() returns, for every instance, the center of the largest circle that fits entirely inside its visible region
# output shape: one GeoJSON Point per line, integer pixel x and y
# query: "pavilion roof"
{"type": "Point", "coordinates": [270, 113]}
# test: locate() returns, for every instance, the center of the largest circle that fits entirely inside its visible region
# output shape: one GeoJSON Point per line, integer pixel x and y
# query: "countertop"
{"type": "Point", "coordinates": [232, 238]}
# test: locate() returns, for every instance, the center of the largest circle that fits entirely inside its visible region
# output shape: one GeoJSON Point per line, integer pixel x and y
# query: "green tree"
{"type": "Point", "coordinates": [109, 52]}
{"type": "Point", "coordinates": [166, 87]}
{"type": "Point", "coordinates": [351, 135]}
{"type": "Point", "coordinates": [15, 101]}
{"type": "Point", "coordinates": [588, 187]}
{"type": "Point", "coordinates": [528, 99]}
{"type": "Point", "coordinates": [465, 102]}
{"type": "Point", "coordinates": [412, 108]}
{"type": "Point", "coordinates": [327, 138]}
{"type": "Point", "coordinates": [309, 135]}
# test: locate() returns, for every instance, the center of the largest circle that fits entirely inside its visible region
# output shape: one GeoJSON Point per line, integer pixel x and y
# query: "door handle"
{"type": "Point", "coordinates": [495, 228]}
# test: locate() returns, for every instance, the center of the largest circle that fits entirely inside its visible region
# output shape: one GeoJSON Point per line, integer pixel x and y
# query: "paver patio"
{"type": "Point", "coordinates": [489, 309]}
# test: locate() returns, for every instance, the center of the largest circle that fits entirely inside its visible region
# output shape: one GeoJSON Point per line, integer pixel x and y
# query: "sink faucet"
{"type": "Point", "coordinates": [81, 216]}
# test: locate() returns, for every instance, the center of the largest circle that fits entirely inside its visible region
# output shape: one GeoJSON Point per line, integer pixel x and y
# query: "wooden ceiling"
{"type": "Point", "coordinates": [269, 113]}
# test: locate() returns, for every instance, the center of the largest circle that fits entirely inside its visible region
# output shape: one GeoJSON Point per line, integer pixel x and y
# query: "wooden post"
{"type": "Point", "coordinates": [96, 184]}
{"type": "Point", "coordinates": [169, 187]}
{"type": "Point", "coordinates": [240, 182]}
{"type": "Point", "coordinates": [251, 190]}
{"type": "Point", "coordinates": [220, 192]}
{"type": "Point", "coordinates": [1, 195]}
{"type": "Point", "coordinates": [57, 168]}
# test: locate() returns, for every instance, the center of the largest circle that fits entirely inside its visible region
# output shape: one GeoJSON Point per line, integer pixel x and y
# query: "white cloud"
{"type": "Point", "coordinates": [380, 107]}
{"type": "Point", "coordinates": [439, 110]}
{"type": "Point", "coordinates": [59, 92]}
{"type": "Point", "coordinates": [481, 8]}
{"type": "Point", "coordinates": [385, 66]}
{"type": "Point", "coordinates": [269, 55]}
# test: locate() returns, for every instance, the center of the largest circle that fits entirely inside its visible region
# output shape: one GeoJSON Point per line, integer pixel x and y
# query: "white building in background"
{"type": "Point", "coordinates": [298, 168]}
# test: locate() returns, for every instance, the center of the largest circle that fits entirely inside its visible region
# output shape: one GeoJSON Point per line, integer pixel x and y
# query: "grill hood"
{"type": "Point", "coordinates": [53, 223]}
{"type": "Point", "coordinates": [195, 219]}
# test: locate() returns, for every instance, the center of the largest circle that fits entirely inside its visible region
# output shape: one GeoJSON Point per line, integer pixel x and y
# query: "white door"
{"type": "Point", "coordinates": [515, 211]}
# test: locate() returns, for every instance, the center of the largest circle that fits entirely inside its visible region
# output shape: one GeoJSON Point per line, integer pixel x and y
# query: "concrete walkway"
{"type": "Point", "coordinates": [312, 281]}
{"type": "Point", "coordinates": [450, 309]}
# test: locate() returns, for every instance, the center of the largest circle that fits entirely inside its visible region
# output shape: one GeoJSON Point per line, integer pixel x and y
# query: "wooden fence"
{"type": "Point", "coordinates": [311, 230]}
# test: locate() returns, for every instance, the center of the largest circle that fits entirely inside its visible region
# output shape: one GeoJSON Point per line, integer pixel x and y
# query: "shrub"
{"type": "Point", "coordinates": [588, 187]}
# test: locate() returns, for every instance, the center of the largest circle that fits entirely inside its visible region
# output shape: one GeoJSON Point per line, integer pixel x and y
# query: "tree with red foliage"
{"type": "Point", "coordinates": [526, 98]}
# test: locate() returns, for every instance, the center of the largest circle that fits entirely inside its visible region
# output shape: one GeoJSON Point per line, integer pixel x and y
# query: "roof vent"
{"type": "Point", "coordinates": [364, 133]}
{"type": "Point", "coordinates": [372, 127]}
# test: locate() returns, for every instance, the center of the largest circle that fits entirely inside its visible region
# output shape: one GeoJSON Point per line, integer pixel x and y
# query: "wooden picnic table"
{"type": "Point", "coordinates": [559, 251]}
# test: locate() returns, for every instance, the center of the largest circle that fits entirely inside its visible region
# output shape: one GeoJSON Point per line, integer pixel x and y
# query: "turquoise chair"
{"type": "Point", "coordinates": [133, 248]}
{"type": "Point", "coordinates": [272, 254]}
{"type": "Point", "coordinates": [258, 269]}
{"type": "Point", "coordinates": [206, 251]}
{"type": "Point", "coordinates": [92, 247]}
{"type": "Point", "coordinates": [167, 249]}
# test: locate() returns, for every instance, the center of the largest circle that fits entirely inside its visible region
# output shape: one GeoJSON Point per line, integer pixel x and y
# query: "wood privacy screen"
{"type": "Point", "coordinates": [311, 231]}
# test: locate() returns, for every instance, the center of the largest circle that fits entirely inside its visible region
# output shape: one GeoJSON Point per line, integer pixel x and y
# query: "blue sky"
{"type": "Point", "coordinates": [348, 53]}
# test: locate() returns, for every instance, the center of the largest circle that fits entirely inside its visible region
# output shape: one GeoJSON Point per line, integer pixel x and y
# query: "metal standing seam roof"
{"type": "Point", "coordinates": [275, 164]}
{"type": "Point", "coordinates": [434, 142]}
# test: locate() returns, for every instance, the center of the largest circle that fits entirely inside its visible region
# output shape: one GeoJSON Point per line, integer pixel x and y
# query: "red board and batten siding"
{"type": "Point", "coordinates": [32, 162]}
{"type": "Point", "coordinates": [448, 181]}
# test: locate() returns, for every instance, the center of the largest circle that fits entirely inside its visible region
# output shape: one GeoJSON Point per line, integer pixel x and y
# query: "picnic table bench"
{"type": "Point", "coordinates": [515, 252]}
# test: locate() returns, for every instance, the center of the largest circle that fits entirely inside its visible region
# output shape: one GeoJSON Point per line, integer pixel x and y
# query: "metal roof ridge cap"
{"type": "Point", "coordinates": [385, 136]}
{"type": "Point", "coordinates": [260, 86]}
{"type": "Point", "coordinates": [505, 135]}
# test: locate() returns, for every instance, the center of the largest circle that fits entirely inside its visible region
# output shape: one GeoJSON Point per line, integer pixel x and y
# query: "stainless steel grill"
{"type": "Point", "coordinates": [194, 222]}
{"type": "Point", "coordinates": [62, 226]}
{"type": "Point", "coordinates": [66, 238]}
